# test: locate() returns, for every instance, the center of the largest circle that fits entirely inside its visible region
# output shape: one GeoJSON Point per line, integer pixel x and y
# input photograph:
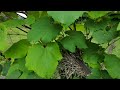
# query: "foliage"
{"type": "Point", "coordinates": [32, 48]}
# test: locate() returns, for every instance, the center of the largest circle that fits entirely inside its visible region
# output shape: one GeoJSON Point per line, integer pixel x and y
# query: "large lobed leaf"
{"type": "Point", "coordinates": [13, 23]}
{"type": "Point", "coordinates": [92, 59]}
{"type": "Point", "coordinates": [43, 60]}
{"type": "Point", "coordinates": [65, 17]}
{"type": "Point", "coordinates": [103, 36]}
{"type": "Point", "coordinates": [97, 14]}
{"type": "Point", "coordinates": [43, 30]}
{"type": "Point", "coordinates": [112, 64]}
{"type": "Point", "coordinates": [116, 50]}
{"type": "Point", "coordinates": [19, 71]}
{"type": "Point", "coordinates": [18, 50]}
{"type": "Point", "coordinates": [75, 38]}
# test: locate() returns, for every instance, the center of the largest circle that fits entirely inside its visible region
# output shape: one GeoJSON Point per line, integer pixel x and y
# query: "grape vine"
{"type": "Point", "coordinates": [60, 45]}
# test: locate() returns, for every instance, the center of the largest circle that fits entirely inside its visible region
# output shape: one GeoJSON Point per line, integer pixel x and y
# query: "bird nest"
{"type": "Point", "coordinates": [71, 66]}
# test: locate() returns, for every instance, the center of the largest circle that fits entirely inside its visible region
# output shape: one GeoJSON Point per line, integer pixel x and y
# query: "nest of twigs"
{"type": "Point", "coordinates": [71, 66]}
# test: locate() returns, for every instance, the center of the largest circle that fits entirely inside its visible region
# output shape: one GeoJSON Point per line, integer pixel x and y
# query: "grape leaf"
{"type": "Point", "coordinates": [14, 75]}
{"type": "Point", "coordinates": [93, 25]}
{"type": "Point", "coordinates": [36, 14]}
{"type": "Point", "coordinates": [43, 60]}
{"type": "Point", "coordinates": [97, 14]}
{"type": "Point", "coordinates": [80, 27]}
{"type": "Point", "coordinates": [92, 59]}
{"type": "Point", "coordinates": [116, 50]}
{"type": "Point", "coordinates": [75, 38]}
{"type": "Point", "coordinates": [112, 64]}
{"type": "Point", "coordinates": [118, 28]}
{"type": "Point", "coordinates": [96, 74]}
{"type": "Point", "coordinates": [18, 50]}
{"type": "Point", "coordinates": [103, 36]}
{"type": "Point", "coordinates": [30, 20]}
{"type": "Point", "coordinates": [14, 35]}
{"type": "Point", "coordinates": [3, 38]}
{"type": "Point", "coordinates": [13, 23]}
{"type": "Point", "coordinates": [29, 75]}
{"type": "Point", "coordinates": [19, 71]}
{"type": "Point", "coordinates": [6, 67]}
{"type": "Point", "coordinates": [43, 30]}
{"type": "Point", "coordinates": [18, 64]}
{"type": "Point", "coordinates": [65, 17]}
{"type": "Point", "coordinates": [105, 74]}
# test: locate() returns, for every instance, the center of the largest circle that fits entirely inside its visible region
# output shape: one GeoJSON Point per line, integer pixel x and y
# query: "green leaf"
{"type": "Point", "coordinates": [30, 20]}
{"type": "Point", "coordinates": [36, 14]}
{"type": "Point", "coordinates": [19, 71]}
{"type": "Point", "coordinates": [80, 27]}
{"type": "Point", "coordinates": [18, 64]}
{"type": "Point", "coordinates": [43, 30]}
{"type": "Point", "coordinates": [105, 74]}
{"type": "Point", "coordinates": [29, 75]}
{"type": "Point", "coordinates": [18, 50]}
{"type": "Point", "coordinates": [116, 48]}
{"type": "Point", "coordinates": [3, 38]}
{"type": "Point", "coordinates": [118, 28]}
{"type": "Point", "coordinates": [14, 23]}
{"type": "Point", "coordinates": [112, 64]}
{"type": "Point", "coordinates": [75, 38]}
{"type": "Point", "coordinates": [96, 74]}
{"type": "Point", "coordinates": [6, 67]}
{"type": "Point", "coordinates": [65, 17]}
{"type": "Point", "coordinates": [14, 75]}
{"type": "Point", "coordinates": [103, 36]}
{"type": "Point", "coordinates": [94, 25]}
{"type": "Point", "coordinates": [43, 60]}
{"type": "Point", "coordinates": [97, 14]}
{"type": "Point", "coordinates": [18, 67]}
{"type": "Point", "coordinates": [92, 59]}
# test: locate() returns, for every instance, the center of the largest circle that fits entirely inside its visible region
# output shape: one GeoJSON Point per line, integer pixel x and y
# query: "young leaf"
{"type": "Point", "coordinates": [75, 38]}
{"type": "Point", "coordinates": [18, 50]}
{"type": "Point", "coordinates": [112, 64]}
{"type": "Point", "coordinates": [43, 60]}
{"type": "Point", "coordinates": [65, 17]}
{"type": "Point", "coordinates": [43, 30]}
{"type": "Point", "coordinates": [97, 14]}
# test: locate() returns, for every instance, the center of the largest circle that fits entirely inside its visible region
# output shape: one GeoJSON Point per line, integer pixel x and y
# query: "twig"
{"type": "Point", "coordinates": [70, 28]}
{"type": "Point", "coordinates": [21, 29]}
{"type": "Point", "coordinates": [74, 26]}
{"type": "Point", "coordinates": [17, 34]}
{"type": "Point", "coordinates": [26, 26]}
